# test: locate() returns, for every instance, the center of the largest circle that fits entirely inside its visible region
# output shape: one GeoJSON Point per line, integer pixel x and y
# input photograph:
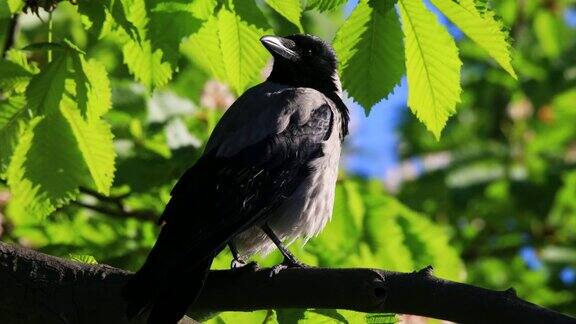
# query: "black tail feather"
{"type": "Point", "coordinates": [165, 297]}
{"type": "Point", "coordinates": [170, 279]}
{"type": "Point", "coordinates": [180, 291]}
{"type": "Point", "coordinates": [139, 292]}
{"type": "Point", "coordinates": [175, 271]}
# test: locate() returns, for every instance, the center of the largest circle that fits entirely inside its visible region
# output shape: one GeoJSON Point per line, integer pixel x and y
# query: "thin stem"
{"type": "Point", "coordinates": [50, 26]}
{"type": "Point", "coordinates": [116, 200]}
{"type": "Point", "coordinates": [119, 213]}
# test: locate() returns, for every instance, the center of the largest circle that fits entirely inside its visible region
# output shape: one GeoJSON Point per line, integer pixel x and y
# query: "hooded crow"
{"type": "Point", "coordinates": [266, 178]}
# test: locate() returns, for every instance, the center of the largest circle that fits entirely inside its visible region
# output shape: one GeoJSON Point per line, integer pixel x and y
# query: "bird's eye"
{"type": "Point", "coordinates": [309, 52]}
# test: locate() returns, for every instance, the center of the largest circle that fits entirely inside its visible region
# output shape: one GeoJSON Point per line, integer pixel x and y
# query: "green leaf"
{"type": "Point", "coordinates": [227, 46]}
{"type": "Point", "coordinates": [72, 48]}
{"type": "Point", "coordinates": [13, 76]}
{"type": "Point", "coordinates": [203, 48]}
{"type": "Point", "coordinates": [110, 14]}
{"type": "Point", "coordinates": [243, 55]}
{"type": "Point", "coordinates": [385, 237]}
{"type": "Point", "coordinates": [324, 5]}
{"type": "Point", "coordinates": [370, 318]}
{"type": "Point", "coordinates": [13, 119]}
{"type": "Point", "coordinates": [428, 242]}
{"type": "Point", "coordinates": [263, 316]}
{"type": "Point", "coordinates": [147, 64]}
{"type": "Point", "coordinates": [203, 9]}
{"type": "Point", "coordinates": [83, 258]}
{"type": "Point", "coordinates": [15, 5]}
{"type": "Point", "coordinates": [120, 13]}
{"type": "Point", "coordinates": [149, 58]}
{"type": "Point", "coordinates": [482, 27]}
{"type": "Point", "coordinates": [5, 13]}
{"type": "Point", "coordinates": [433, 66]}
{"type": "Point", "coordinates": [371, 52]}
{"type": "Point", "coordinates": [404, 240]}
{"type": "Point", "coordinates": [93, 93]}
{"type": "Point", "coordinates": [94, 13]}
{"type": "Point", "coordinates": [9, 109]}
{"type": "Point", "coordinates": [95, 143]}
{"type": "Point", "coordinates": [290, 316]}
{"type": "Point", "coordinates": [548, 32]}
{"type": "Point", "coordinates": [181, 24]}
{"type": "Point", "coordinates": [289, 9]}
{"type": "Point", "coordinates": [56, 154]}
{"type": "Point", "coordinates": [20, 58]}
{"type": "Point", "coordinates": [45, 90]}
{"type": "Point", "coordinates": [46, 168]}
{"type": "Point", "coordinates": [44, 46]}
{"type": "Point", "coordinates": [249, 12]}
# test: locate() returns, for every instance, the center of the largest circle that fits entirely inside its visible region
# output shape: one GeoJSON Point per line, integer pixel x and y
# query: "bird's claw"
{"type": "Point", "coordinates": [286, 264]}
{"type": "Point", "coordinates": [239, 265]}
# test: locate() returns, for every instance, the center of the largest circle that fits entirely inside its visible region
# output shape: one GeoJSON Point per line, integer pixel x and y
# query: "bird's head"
{"type": "Point", "coordinates": [303, 61]}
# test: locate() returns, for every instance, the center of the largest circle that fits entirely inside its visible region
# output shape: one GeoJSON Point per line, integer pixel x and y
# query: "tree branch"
{"type": "Point", "coordinates": [35, 287]}
{"type": "Point", "coordinates": [119, 210]}
{"type": "Point", "coordinates": [119, 213]}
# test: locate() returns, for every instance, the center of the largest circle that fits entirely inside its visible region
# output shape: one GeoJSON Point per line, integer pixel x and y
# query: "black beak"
{"type": "Point", "coordinates": [280, 46]}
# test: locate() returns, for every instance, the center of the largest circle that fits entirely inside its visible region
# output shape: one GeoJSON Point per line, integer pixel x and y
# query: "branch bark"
{"type": "Point", "coordinates": [38, 288]}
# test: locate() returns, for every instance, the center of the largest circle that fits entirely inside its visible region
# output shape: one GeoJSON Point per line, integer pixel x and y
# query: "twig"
{"type": "Point", "coordinates": [119, 213]}
{"type": "Point", "coordinates": [116, 200]}
{"type": "Point", "coordinates": [50, 34]}
{"type": "Point", "coordinates": [38, 288]}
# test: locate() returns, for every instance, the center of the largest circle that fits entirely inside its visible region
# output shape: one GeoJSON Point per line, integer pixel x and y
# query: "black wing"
{"type": "Point", "coordinates": [224, 194]}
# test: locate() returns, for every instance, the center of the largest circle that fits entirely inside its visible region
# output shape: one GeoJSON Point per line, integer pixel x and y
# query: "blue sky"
{"type": "Point", "coordinates": [372, 147]}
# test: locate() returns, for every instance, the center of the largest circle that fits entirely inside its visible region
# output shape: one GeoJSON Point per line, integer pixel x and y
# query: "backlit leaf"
{"type": "Point", "coordinates": [204, 49]}
{"type": "Point", "coordinates": [481, 27]}
{"type": "Point", "coordinates": [371, 53]}
{"type": "Point", "coordinates": [82, 258]}
{"type": "Point", "coordinates": [55, 155]}
{"type": "Point", "coordinates": [94, 140]}
{"type": "Point", "coordinates": [432, 65]}
{"type": "Point", "coordinates": [13, 76]}
{"type": "Point", "coordinates": [243, 55]}
{"type": "Point", "coordinates": [13, 119]}
{"type": "Point", "coordinates": [203, 9]}
{"type": "Point", "coordinates": [289, 9]}
{"type": "Point", "coordinates": [324, 5]}
{"type": "Point", "coordinates": [147, 64]}
{"type": "Point", "coordinates": [46, 168]}
{"type": "Point", "coordinates": [46, 89]}
{"type": "Point", "coordinates": [93, 93]}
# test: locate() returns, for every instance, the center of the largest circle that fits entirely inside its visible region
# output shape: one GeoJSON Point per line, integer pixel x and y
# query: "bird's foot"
{"type": "Point", "coordinates": [240, 265]}
{"type": "Point", "coordinates": [288, 263]}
